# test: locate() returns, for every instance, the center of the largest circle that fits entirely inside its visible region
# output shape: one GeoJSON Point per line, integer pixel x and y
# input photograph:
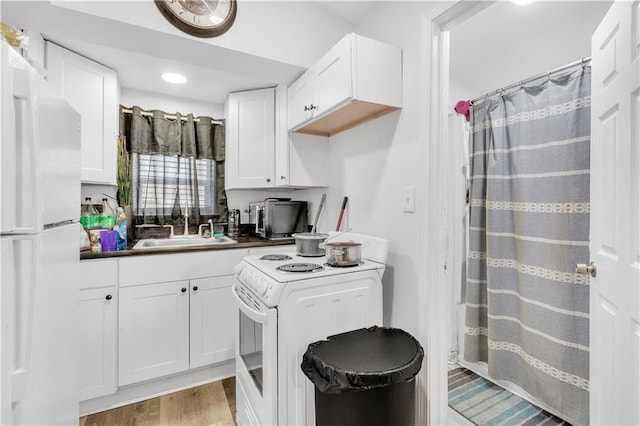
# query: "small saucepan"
{"type": "Point", "coordinates": [308, 243]}
{"type": "Point", "coordinates": [343, 253]}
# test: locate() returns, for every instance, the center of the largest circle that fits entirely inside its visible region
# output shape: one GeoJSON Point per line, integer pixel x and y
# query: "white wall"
{"type": "Point", "coordinates": [373, 162]}
{"type": "Point", "coordinates": [294, 32]}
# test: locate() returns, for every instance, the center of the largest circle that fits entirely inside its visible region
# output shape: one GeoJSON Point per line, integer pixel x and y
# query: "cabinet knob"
{"type": "Point", "coordinates": [184, 289]}
{"type": "Point", "coordinates": [108, 297]}
{"type": "Point", "coordinates": [312, 107]}
{"type": "Point", "coordinates": [268, 179]}
{"type": "Point", "coordinates": [195, 288]}
{"type": "Point", "coordinates": [306, 108]}
{"type": "Point", "coordinates": [283, 177]}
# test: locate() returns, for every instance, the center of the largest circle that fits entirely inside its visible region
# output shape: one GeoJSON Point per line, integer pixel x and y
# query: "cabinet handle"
{"type": "Point", "coordinates": [109, 297]}
{"type": "Point", "coordinates": [310, 107]}
{"type": "Point", "coordinates": [268, 179]}
{"type": "Point", "coordinates": [283, 177]}
{"type": "Point", "coordinates": [184, 289]}
{"type": "Point", "coordinates": [195, 288]}
{"type": "Point", "coordinates": [306, 108]}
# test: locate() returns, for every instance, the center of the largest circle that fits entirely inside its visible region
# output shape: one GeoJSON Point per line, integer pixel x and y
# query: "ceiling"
{"type": "Point", "coordinates": [501, 44]}
{"type": "Point", "coordinates": [506, 43]}
{"type": "Point", "coordinates": [214, 74]}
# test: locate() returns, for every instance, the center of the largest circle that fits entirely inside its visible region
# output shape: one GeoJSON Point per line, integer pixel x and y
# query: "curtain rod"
{"type": "Point", "coordinates": [584, 61]}
{"type": "Point", "coordinates": [168, 116]}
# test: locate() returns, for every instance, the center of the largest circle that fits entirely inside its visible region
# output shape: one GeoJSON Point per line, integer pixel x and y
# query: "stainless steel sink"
{"type": "Point", "coordinates": [173, 243]}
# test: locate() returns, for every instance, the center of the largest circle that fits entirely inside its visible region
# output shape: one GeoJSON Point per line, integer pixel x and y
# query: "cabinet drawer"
{"type": "Point", "coordinates": [137, 270]}
{"type": "Point", "coordinates": [98, 273]}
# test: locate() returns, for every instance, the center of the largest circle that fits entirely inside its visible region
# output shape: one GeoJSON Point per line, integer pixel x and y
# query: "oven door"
{"type": "Point", "coordinates": [256, 360]}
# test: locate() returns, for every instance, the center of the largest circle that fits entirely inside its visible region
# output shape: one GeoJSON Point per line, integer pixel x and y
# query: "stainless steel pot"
{"type": "Point", "coordinates": [343, 253]}
{"type": "Point", "coordinates": [308, 243]}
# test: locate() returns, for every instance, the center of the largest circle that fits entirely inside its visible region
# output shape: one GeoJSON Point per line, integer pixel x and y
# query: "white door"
{"type": "Point", "coordinates": [98, 313]}
{"type": "Point", "coordinates": [615, 217]}
{"type": "Point", "coordinates": [213, 309]}
{"type": "Point", "coordinates": [92, 90]}
{"type": "Point", "coordinates": [333, 77]}
{"type": "Point", "coordinates": [153, 331]}
{"type": "Point", "coordinates": [250, 139]}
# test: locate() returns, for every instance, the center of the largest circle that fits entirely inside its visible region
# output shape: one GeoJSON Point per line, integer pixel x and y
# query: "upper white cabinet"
{"type": "Point", "coordinates": [92, 89]}
{"type": "Point", "coordinates": [358, 80]}
{"type": "Point", "coordinates": [250, 139]}
{"type": "Point", "coordinates": [261, 152]}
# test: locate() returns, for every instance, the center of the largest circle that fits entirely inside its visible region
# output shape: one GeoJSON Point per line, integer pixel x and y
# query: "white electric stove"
{"type": "Point", "coordinates": [286, 302]}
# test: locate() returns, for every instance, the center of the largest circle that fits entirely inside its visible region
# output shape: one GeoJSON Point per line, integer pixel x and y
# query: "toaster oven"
{"type": "Point", "coordinates": [277, 219]}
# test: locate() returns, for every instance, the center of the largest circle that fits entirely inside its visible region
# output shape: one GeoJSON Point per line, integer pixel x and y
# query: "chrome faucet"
{"type": "Point", "coordinates": [186, 218]}
{"type": "Point", "coordinates": [210, 222]}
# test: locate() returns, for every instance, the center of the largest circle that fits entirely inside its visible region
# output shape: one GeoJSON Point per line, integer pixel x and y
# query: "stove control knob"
{"type": "Point", "coordinates": [237, 270]}
{"type": "Point", "coordinates": [262, 286]}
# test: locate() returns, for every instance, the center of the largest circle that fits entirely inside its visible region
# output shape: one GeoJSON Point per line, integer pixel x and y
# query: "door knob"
{"type": "Point", "coordinates": [582, 268]}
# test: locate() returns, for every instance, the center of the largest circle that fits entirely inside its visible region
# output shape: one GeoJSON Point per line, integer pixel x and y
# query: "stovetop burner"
{"type": "Point", "coordinates": [344, 266]}
{"type": "Point", "coordinates": [300, 267]}
{"type": "Point", "coordinates": [276, 257]}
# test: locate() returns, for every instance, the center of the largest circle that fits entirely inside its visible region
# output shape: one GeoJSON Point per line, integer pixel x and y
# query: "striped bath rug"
{"type": "Point", "coordinates": [485, 403]}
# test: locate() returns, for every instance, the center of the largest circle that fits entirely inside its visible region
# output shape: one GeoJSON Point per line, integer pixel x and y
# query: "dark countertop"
{"type": "Point", "coordinates": [243, 242]}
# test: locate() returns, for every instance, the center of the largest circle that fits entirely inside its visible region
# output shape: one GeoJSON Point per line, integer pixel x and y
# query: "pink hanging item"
{"type": "Point", "coordinates": [462, 107]}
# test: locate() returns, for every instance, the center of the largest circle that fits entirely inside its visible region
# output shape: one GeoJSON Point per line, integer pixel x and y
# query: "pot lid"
{"type": "Point", "coordinates": [343, 244]}
{"type": "Point", "coordinates": [310, 236]}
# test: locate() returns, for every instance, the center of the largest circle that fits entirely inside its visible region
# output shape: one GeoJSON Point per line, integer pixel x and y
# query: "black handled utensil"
{"type": "Point", "coordinates": [344, 205]}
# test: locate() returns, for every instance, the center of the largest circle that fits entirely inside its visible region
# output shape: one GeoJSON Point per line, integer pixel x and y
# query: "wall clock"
{"type": "Point", "coordinates": [201, 18]}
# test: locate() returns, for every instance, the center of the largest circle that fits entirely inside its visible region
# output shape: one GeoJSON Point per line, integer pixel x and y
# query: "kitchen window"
{"type": "Point", "coordinates": [163, 182]}
{"type": "Point", "coordinates": [177, 166]}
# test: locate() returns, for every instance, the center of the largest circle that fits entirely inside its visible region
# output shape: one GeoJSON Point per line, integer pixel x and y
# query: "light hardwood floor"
{"type": "Point", "coordinates": [210, 404]}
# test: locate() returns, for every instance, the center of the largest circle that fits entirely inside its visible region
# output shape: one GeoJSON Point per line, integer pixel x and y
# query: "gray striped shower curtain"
{"type": "Point", "coordinates": [527, 311]}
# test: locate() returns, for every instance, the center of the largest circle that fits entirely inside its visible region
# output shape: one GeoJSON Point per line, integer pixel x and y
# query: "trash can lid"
{"type": "Point", "coordinates": [362, 359]}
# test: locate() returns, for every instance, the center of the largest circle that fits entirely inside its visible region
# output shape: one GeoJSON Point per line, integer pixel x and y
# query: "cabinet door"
{"type": "Point", "coordinates": [300, 100]}
{"type": "Point", "coordinates": [213, 315]}
{"type": "Point", "coordinates": [250, 143]}
{"type": "Point", "coordinates": [153, 331]}
{"type": "Point", "coordinates": [92, 90]}
{"type": "Point", "coordinates": [333, 77]}
{"type": "Point", "coordinates": [97, 313]}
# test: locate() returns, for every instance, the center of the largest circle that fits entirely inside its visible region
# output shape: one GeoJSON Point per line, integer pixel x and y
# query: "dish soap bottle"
{"type": "Point", "coordinates": [121, 227]}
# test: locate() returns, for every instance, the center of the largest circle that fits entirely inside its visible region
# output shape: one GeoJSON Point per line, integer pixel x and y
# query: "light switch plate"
{"type": "Point", "coordinates": [408, 196]}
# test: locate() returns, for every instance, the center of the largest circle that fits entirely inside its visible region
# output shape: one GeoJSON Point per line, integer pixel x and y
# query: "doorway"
{"type": "Point", "coordinates": [455, 28]}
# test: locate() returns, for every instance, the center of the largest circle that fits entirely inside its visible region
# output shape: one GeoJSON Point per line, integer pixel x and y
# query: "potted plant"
{"type": "Point", "coordinates": [124, 182]}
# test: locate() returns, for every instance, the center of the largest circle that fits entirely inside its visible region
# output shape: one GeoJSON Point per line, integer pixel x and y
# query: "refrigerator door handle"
{"type": "Point", "coordinates": [24, 252]}
{"type": "Point", "coordinates": [25, 205]}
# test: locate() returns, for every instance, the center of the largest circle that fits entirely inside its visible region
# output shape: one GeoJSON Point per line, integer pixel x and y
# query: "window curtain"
{"type": "Point", "coordinates": [176, 163]}
{"type": "Point", "coordinates": [527, 311]}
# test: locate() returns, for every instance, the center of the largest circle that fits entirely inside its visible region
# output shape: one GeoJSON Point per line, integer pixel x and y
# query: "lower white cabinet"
{"type": "Point", "coordinates": [98, 328]}
{"type": "Point", "coordinates": [98, 314]}
{"type": "Point", "coordinates": [212, 315]}
{"type": "Point", "coordinates": [153, 331]}
{"type": "Point", "coordinates": [174, 326]}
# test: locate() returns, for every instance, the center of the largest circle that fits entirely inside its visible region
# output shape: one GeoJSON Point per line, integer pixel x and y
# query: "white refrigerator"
{"type": "Point", "coordinates": [39, 207]}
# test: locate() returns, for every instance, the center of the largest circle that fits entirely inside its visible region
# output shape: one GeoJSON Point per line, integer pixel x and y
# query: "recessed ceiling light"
{"type": "Point", "coordinates": [174, 78]}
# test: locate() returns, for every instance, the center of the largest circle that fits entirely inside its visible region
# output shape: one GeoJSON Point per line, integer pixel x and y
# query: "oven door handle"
{"type": "Point", "coordinates": [257, 316]}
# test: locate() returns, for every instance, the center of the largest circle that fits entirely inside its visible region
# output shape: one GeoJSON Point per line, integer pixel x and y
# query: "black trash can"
{"type": "Point", "coordinates": [364, 377]}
